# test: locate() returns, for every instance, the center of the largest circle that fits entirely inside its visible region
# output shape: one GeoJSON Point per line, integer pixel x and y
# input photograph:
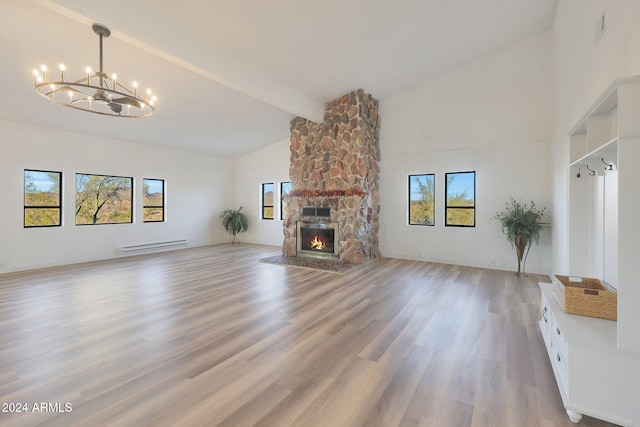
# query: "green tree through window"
{"type": "Point", "coordinates": [460, 189]}
{"type": "Point", "coordinates": [422, 199]}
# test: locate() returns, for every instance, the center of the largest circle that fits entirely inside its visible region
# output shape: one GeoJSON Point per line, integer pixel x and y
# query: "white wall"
{"type": "Point", "coordinates": [269, 164]}
{"type": "Point", "coordinates": [198, 187]}
{"type": "Point", "coordinates": [493, 116]}
{"type": "Point", "coordinates": [582, 73]}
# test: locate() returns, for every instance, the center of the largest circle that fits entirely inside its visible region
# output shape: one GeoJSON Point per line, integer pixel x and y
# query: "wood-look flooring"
{"type": "Point", "coordinates": [212, 337]}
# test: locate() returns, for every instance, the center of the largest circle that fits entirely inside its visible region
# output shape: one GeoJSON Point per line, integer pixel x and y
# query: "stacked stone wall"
{"type": "Point", "coordinates": [335, 164]}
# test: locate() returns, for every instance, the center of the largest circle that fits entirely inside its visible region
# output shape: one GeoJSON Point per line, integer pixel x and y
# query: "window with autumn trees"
{"type": "Point", "coordinates": [267, 200]}
{"type": "Point", "coordinates": [42, 198]}
{"type": "Point", "coordinates": [153, 200]}
{"type": "Point", "coordinates": [103, 199]}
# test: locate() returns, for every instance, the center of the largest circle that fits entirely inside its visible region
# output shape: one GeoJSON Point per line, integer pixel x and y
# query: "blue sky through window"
{"type": "Point", "coordinates": [41, 180]}
{"type": "Point", "coordinates": [154, 185]}
{"type": "Point", "coordinates": [415, 187]}
{"type": "Point", "coordinates": [462, 183]}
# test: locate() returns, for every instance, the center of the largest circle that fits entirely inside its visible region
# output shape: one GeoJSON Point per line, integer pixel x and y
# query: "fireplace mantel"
{"type": "Point", "coordinates": [311, 194]}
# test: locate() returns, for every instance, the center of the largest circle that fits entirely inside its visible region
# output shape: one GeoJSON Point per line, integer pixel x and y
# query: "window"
{"type": "Point", "coordinates": [42, 198]}
{"type": "Point", "coordinates": [422, 199]}
{"type": "Point", "coordinates": [267, 201]}
{"type": "Point", "coordinates": [285, 187]}
{"type": "Point", "coordinates": [103, 199]}
{"type": "Point", "coordinates": [153, 200]}
{"type": "Point", "coordinates": [460, 189]}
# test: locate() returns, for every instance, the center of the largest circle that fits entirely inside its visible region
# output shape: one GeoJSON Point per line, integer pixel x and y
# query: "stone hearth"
{"type": "Point", "coordinates": [335, 164]}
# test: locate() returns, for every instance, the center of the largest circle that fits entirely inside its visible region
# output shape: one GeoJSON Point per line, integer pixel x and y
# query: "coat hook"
{"type": "Point", "coordinates": [591, 171]}
{"type": "Point", "coordinates": [578, 174]}
{"type": "Point", "coordinates": [607, 166]}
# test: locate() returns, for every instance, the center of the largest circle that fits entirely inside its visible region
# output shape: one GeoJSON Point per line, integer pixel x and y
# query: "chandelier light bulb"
{"type": "Point", "coordinates": [97, 92]}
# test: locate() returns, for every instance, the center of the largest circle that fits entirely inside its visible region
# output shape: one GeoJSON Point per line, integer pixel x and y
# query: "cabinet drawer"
{"type": "Point", "coordinates": [546, 317]}
{"type": "Point", "coordinates": [561, 344]}
{"type": "Point", "coordinates": [560, 354]}
{"type": "Point", "coordinates": [557, 346]}
{"type": "Point", "coordinates": [562, 369]}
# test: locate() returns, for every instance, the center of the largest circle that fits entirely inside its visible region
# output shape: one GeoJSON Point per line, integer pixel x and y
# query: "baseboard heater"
{"type": "Point", "coordinates": [150, 247]}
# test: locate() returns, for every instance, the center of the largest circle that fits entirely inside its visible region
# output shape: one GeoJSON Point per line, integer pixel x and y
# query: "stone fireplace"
{"type": "Point", "coordinates": [334, 176]}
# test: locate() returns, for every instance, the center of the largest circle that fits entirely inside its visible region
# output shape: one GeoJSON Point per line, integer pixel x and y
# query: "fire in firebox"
{"type": "Point", "coordinates": [317, 239]}
{"type": "Point", "coordinates": [317, 244]}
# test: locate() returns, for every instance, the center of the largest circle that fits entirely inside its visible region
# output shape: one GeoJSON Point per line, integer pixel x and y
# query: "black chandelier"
{"type": "Point", "coordinates": [97, 92]}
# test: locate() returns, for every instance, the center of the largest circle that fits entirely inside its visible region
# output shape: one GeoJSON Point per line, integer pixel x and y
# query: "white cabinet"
{"type": "Point", "coordinates": [604, 201]}
{"type": "Point", "coordinates": [597, 362]}
{"type": "Point", "coordinates": [594, 376]}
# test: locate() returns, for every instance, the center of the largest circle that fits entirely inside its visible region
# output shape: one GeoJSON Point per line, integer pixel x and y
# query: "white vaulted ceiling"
{"type": "Point", "coordinates": [230, 74]}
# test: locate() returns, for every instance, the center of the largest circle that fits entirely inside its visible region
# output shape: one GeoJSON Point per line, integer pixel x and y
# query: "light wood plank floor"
{"type": "Point", "coordinates": [210, 336]}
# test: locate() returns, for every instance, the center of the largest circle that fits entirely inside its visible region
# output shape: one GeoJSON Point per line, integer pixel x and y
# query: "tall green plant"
{"type": "Point", "coordinates": [234, 222]}
{"type": "Point", "coordinates": [522, 224]}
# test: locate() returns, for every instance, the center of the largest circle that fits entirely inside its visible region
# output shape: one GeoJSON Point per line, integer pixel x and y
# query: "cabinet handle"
{"type": "Point", "coordinates": [558, 356]}
{"type": "Point", "coordinates": [558, 330]}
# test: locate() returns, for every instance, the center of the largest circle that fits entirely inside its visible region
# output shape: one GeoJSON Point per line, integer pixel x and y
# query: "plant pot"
{"type": "Point", "coordinates": [520, 244]}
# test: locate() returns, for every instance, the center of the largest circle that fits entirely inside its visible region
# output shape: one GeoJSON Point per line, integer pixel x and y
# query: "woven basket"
{"type": "Point", "coordinates": [586, 296]}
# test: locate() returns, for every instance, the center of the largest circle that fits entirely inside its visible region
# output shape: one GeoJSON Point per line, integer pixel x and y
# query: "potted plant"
{"type": "Point", "coordinates": [234, 222]}
{"type": "Point", "coordinates": [522, 225]}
